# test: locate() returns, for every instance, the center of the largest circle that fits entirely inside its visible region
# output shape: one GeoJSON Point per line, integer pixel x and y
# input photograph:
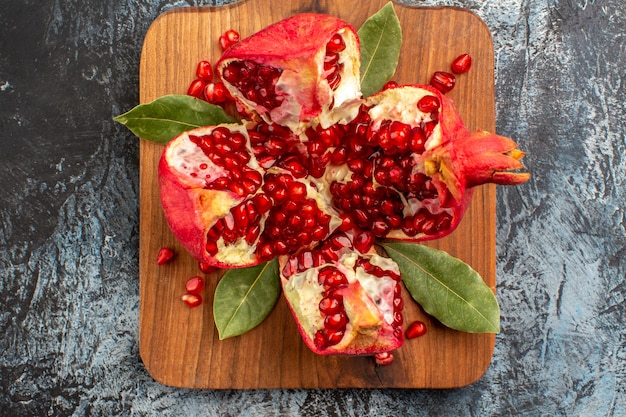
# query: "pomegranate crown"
{"type": "Point", "coordinates": [491, 158]}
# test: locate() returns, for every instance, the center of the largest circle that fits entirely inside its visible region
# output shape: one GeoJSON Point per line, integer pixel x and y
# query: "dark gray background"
{"type": "Point", "coordinates": [69, 221]}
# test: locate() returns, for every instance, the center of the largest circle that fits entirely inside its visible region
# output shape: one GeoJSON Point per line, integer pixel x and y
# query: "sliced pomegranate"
{"type": "Point", "coordinates": [407, 163]}
{"type": "Point", "coordinates": [229, 211]}
{"type": "Point", "coordinates": [344, 301]}
{"type": "Point", "coordinates": [297, 72]}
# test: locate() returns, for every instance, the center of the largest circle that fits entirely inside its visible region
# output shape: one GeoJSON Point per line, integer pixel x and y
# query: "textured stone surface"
{"type": "Point", "coordinates": [69, 221]}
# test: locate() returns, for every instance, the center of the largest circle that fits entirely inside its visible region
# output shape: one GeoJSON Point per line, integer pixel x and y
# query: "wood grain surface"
{"type": "Point", "coordinates": [179, 346]}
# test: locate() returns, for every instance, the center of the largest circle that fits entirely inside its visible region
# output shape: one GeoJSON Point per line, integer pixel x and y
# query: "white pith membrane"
{"type": "Point", "coordinates": [370, 310]}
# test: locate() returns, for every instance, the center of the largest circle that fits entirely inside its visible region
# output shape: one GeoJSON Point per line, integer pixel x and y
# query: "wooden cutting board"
{"type": "Point", "coordinates": [179, 346]}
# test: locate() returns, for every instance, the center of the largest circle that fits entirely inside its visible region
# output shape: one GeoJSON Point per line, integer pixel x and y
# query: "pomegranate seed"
{"type": "Point", "coordinates": [330, 305]}
{"type": "Point", "coordinates": [384, 358]}
{"type": "Point", "coordinates": [390, 84]}
{"type": "Point", "coordinates": [443, 81]}
{"type": "Point", "coordinates": [461, 64]}
{"type": "Point", "coordinates": [330, 60]}
{"type": "Point", "coordinates": [416, 329]}
{"type": "Point", "coordinates": [211, 248]}
{"type": "Point", "coordinates": [336, 321]}
{"type": "Point", "coordinates": [335, 337]}
{"type": "Point", "coordinates": [253, 234]}
{"type": "Point", "coordinates": [320, 340]}
{"type": "Point", "coordinates": [364, 241]}
{"type": "Point", "coordinates": [267, 251]}
{"type": "Point", "coordinates": [262, 202]}
{"type": "Point", "coordinates": [331, 277]}
{"type": "Point", "coordinates": [204, 71]}
{"type": "Point", "coordinates": [228, 39]}
{"type": "Point", "coordinates": [428, 104]}
{"type": "Point", "coordinates": [194, 285]}
{"type": "Point", "coordinates": [196, 88]}
{"type": "Point", "coordinates": [192, 300]}
{"type": "Point", "coordinates": [206, 268]}
{"type": "Point", "coordinates": [164, 256]}
{"type": "Point", "coordinates": [335, 44]}
{"type": "Point", "coordinates": [339, 241]}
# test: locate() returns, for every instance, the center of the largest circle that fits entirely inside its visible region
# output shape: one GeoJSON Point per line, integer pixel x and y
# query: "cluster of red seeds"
{"type": "Point", "coordinates": [203, 86]}
{"type": "Point", "coordinates": [256, 82]}
{"type": "Point", "coordinates": [194, 287]}
{"type": "Point", "coordinates": [445, 81]}
{"type": "Point", "coordinates": [332, 66]}
{"type": "Point", "coordinates": [228, 149]}
{"type": "Point", "coordinates": [294, 221]}
{"type": "Point", "coordinates": [331, 307]}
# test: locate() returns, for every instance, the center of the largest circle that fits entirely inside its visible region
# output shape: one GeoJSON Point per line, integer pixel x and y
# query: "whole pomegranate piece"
{"type": "Point", "coordinates": [298, 72]}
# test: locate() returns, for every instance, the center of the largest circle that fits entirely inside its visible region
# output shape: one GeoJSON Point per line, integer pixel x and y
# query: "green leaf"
{"type": "Point", "coordinates": [446, 288]}
{"type": "Point", "coordinates": [168, 116]}
{"type": "Point", "coordinates": [245, 297]}
{"type": "Point", "coordinates": [381, 39]}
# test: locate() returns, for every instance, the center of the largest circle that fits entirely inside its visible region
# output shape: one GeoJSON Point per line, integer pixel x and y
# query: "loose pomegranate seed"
{"type": "Point", "coordinates": [228, 39]}
{"type": "Point", "coordinates": [416, 329]}
{"type": "Point", "coordinates": [194, 285]}
{"type": "Point", "coordinates": [196, 88]}
{"type": "Point", "coordinates": [384, 358]}
{"type": "Point", "coordinates": [164, 256]}
{"type": "Point", "coordinates": [204, 71]}
{"type": "Point", "coordinates": [443, 81]}
{"type": "Point", "coordinates": [192, 300]}
{"type": "Point", "coordinates": [461, 64]}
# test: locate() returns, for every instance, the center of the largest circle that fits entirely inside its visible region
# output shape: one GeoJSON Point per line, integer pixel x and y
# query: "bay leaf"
{"type": "Point", "coordinates": [381, 39]}
{"type": "Point", "coordinates": [244, 297]}
{"type": "Point", "coordinates": [168, 116]}
{"type": "Point", "coordinates": [446, 287]}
